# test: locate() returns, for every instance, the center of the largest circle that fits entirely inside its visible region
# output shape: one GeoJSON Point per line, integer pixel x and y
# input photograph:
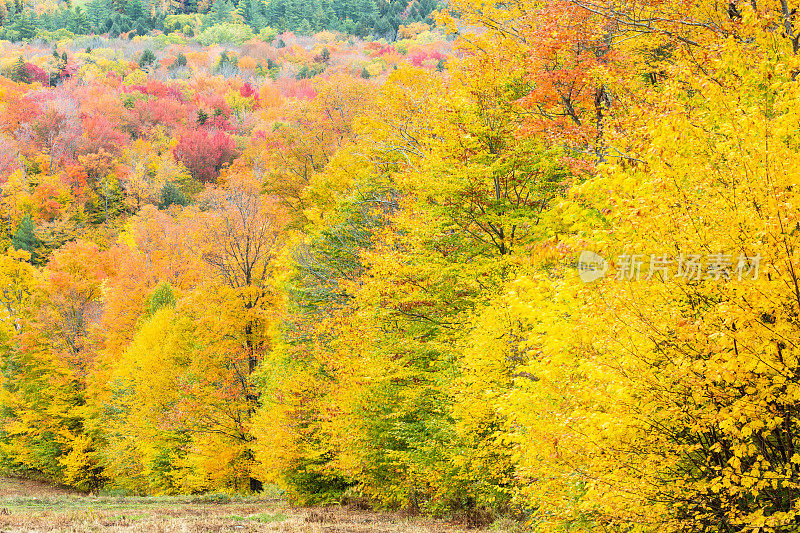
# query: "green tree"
{"type": "Point", "coordinates": [19, 72]}
{"type": "Point", "coordinates": [24, 27]}
{"type": "Point", "coordinates": [25, 238]}
{"type": "Point", "coordinates": [172, 195]}
{"type": "Point", "coordinates": [162, 296]}
{"type": "Point", "coordinates": [147, 59]}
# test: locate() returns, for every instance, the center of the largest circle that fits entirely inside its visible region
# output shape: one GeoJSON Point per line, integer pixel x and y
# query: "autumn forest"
{"type": "Point", "coordinates": [530, 261]}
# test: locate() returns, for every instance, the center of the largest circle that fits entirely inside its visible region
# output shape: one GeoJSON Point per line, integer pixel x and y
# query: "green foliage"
{"type": "Point", "coordinates": [375, 298]}
{"type": "Point", "coordinates": [22, 26]}
{"type": "Point", "coordinates": [161, 297]}
{"type": "Point", "coordinates": [106, 201]}
{"type": "Point", "coordinates": [307, 71]}
{"type": "Point", "coordinates": [147, 59]}
{"type": "Point", "coordinates": [226, 63]}
{"type": "Point", "coordinates": [25, 238]}
{"type": "Point", "coordinates": [268, 34]}
{"type": "Point", "coordinates": [311, 482]}
{"type": "Point", "coordinates": [19, 71]}
{"type": "Point", "coordinates": [178, 22]}
{"type": "Point", "coordinates": [225, 32]}
{"type": "Point", "coordinates": [170, 193]}
{"type": "Point", "coordinates": [359, 17]}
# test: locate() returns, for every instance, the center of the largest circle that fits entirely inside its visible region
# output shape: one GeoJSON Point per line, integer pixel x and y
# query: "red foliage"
{"type": "Point", "coordinates": [99, 134]}
{"type": "Point", "coordinates": [20, 109]}
{"type": "Point", "coordinates": [215, 102]}
{"type": "Point", "coordinates": [36, 74]}
{"type": "Point", "coordinates": [158, 89]}
{"type": "Point", "coordinates": [377, 51]}
{"type": "Point", "coordinates": [218, 110]}
{"type": "Point", "coordinates": [205, 153]}
{"type": "Point", "coordinates": [68, 71]}
{"type": "Point", "coordinates": [300, 89]}
{"type": "Point", "coordinates": [561, 68]}
{"type": "Point", "coordinates": [248, 91]}
{"type": "Point", "coordinates": [164, 111]}
{"type": "Point", "coordinates": [46, 198]}
{"type": "Point", "coordinates": [9, 161]}
{"type": "Point", "coordinates": [418, 57]}
{"type": "Point", "coordinates": [76, 178]}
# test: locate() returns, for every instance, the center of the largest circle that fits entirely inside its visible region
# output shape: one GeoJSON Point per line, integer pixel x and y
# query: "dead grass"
{"type": "Point", "coordinates": [31, 506]}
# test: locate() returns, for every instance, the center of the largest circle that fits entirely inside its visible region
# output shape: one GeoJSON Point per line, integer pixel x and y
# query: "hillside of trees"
{"type": "Point", "coordinates": [362, 18]}
{"type": "Point", "coordinates": [526, 263]}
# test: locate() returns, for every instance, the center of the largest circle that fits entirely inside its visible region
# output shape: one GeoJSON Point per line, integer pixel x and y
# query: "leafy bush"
{"type": "Point", "coordinates": [225, 33]}
{"type": "Point", "coordinates": [23, 72]}
{"type": "Point", "coordinates": [61, 34]}
{"type": "Point", "coordinates": [173, 23]}
{"type": "Point", "coordinates": [268, 34]}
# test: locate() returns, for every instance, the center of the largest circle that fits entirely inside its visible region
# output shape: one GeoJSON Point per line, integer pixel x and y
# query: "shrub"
{"type": "Point", "coordinates": [268, 34]}
{"type": "Point", "coordinates": [225, 33]}
{"type": "Point", "coordinates": [147, 59]}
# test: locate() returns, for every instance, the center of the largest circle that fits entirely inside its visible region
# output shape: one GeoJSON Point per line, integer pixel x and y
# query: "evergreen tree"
{"type": "Point", "coordinates": [80, 23]}
{"type": "Point", "coordinates": [275, 13]}
{"type": "Point", "coordinates": [171, 195]}
{"type": "Point", "coordinates": [221, 11]}
{"type": "Point", "coordinates": [147, 59]}
{"type": "Point", "coordinates": [24, 27]}
{"type": "Point", "coordinates": [134, 9]}
{"type": "Point", "coordinates": [293, 15]}
{"type": "Point", "coordinates": [25, 237]}
{"type": "Point", "coordinates": [99, 13]}
{"type": "Point", "coordinates": [366, 12]}
{"type": "Point", "coordinates": [347, 9]}
{"type": "Point", "coordinates": [248, 11]}
{"type": "Point", "coordinates": [304, 28]}
{"type": "Point", "coordinates": [19, 71]}
{"type": "Point", "coordinates": [383, 28]}
{"type": "Point", "coordinates": [161, 297]}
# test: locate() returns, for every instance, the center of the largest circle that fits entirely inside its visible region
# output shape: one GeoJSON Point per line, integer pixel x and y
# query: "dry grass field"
{"type": "Point", "coordinates": [27, 505]}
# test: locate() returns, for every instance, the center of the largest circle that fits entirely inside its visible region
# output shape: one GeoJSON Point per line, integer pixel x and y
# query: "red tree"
{"type": "Point", "coordinates": [205, 153]}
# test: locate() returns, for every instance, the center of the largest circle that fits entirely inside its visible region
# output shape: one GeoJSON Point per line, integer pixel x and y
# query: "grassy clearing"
{"type": "Point", "coordinates": [30, 506]}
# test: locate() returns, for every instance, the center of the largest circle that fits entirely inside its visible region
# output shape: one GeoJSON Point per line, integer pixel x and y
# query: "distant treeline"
{"type": "Point", "coordinates": [379, 18]}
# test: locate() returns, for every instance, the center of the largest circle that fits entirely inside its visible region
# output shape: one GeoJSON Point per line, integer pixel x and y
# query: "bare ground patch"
{"type": "Point", "coordinates": [17, 487]}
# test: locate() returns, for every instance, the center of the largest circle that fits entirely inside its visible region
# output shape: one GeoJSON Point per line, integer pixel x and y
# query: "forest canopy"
{"type": "Point", "coordinates": [527, 262]}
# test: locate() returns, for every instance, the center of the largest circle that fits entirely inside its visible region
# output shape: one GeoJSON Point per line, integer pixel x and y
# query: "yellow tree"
{"type": "Point", "coordinates": [238, 244]}
{"type": "Point", "coordinates": [662, 397]}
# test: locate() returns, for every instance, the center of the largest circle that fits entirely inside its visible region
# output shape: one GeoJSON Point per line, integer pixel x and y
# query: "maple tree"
{"type": "Point", "coordinates": [205, 153]}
